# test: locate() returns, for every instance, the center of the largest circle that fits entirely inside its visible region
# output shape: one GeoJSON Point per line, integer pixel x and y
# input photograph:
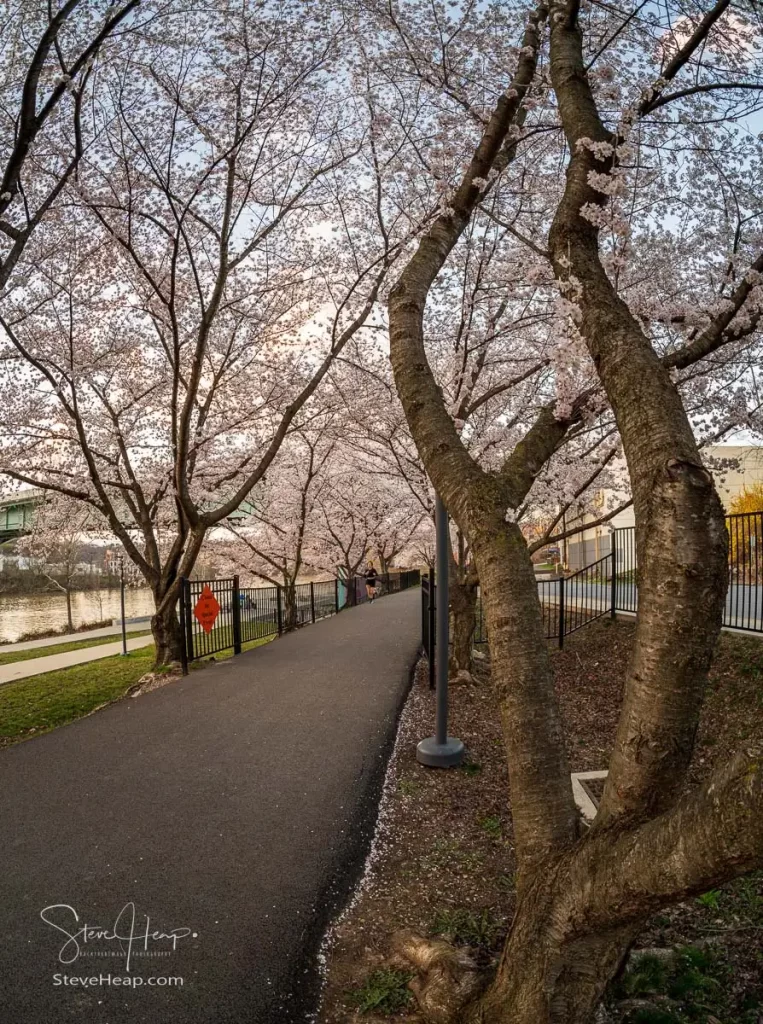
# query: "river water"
{"type": "Point", "coordinates": [33, 613]}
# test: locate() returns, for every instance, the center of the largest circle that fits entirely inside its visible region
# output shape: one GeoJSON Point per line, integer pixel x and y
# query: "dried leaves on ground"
{"type": "Point", "coordinates": [443, 864]}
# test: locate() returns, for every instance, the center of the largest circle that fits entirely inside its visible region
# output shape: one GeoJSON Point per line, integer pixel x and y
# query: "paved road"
{"type": "Point", "coordinates": [51, 662]}
{"type": "Point", "coordinates": [236, 803]}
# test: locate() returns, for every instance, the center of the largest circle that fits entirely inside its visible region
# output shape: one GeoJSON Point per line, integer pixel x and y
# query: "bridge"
{"type": "Point", "coordinates": [17, 511]}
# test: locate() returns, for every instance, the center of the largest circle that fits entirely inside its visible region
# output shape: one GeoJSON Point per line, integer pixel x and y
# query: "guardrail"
{"type": "Point", "coordinates": [217, 615]}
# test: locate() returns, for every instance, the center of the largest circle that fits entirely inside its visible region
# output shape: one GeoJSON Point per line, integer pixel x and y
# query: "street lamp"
{"type": "Point", "coordinates": [441, 750]}
{"type": "Point", "coordinates": [118, 560]}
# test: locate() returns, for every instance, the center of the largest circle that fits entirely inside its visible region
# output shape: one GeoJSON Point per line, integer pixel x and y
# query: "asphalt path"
{"type": "Point", "coordinates": [232, 809]}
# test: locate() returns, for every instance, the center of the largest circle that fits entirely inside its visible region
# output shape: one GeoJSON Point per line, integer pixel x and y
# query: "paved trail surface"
{"type": "Point", "coordinates": [237, 803]}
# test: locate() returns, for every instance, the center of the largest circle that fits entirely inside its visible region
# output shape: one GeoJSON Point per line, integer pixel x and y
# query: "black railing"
{"type": "Point", "coordinates": [568, 603]}
{"type": "Point", "coordinates": [744, 603]}
{"type": "Point", "coordinates": [584, 596]}
{"type": "Point", "coordinates": [210, 617]}
{"type": "Point", "coordinates": [744, 598]}
{"type": "Point", "coordinates": [219, 615]}
{"type": "Point", "coordinates": [428, 623]}
{"type": "Point", "coordinates": [624, 547]}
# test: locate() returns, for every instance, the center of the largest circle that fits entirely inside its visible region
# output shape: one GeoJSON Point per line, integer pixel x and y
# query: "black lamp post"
{"type": "Point", "coordinates": [441, 750]}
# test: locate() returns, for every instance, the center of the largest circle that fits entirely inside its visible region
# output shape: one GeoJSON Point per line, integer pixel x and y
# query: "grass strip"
{"type": "Point", "coordinates": [10, 657]}
{"type": "Point", "coordinates": [29, 707]}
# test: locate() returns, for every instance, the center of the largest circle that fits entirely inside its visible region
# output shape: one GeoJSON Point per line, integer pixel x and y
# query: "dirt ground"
{"type": "Point", "coordinates": [443, 859]}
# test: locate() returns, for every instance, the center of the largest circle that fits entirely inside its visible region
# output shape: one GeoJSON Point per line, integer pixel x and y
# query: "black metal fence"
{"type": "Point", "coordinates": [428, 623]}
{"type": "Point", "coordinates": [217, 615]}
{"type": "Point", "coordinates": [569, 603]}
{"type": "Point", "coordinates": [744, 598]}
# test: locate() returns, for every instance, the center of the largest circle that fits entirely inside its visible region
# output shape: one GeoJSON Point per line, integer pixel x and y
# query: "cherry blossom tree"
{"type": "Point", "coordinates": [203, 274]}
{"type": "Point", "coordinates": [646, 254]}
{"type": "Point", "coordinates": [270, 542]}
{"type": "Point", "coordinates": [62, 530]}
{"type": "Point", "coordinates": [48, 57]}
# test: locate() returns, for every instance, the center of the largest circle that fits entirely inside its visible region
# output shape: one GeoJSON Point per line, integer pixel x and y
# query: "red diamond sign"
{"type": "Point", "coordinates": [207, 609]}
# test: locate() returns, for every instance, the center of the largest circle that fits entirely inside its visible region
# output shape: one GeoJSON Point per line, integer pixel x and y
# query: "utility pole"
{"type": "Point", "coordinates": [441, 750]}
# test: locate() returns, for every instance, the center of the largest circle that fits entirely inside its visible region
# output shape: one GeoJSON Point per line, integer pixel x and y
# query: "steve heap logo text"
{"type": "Point", "coordinates": [129, 936]}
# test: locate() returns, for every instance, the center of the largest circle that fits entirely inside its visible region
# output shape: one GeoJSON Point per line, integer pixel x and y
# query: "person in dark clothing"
{"type": "Point", "coordinates": [371, 581]}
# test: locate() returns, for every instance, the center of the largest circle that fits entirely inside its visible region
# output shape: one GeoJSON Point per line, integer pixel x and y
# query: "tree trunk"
{"type": "Point", "coordinates": [463, 607]}
{"type": "Point", "coordinates": [583, 906]}
{"type": "Point", "coordinates": [69, 618]}
{"type": "Point", "coordinates": [545, 820]}
{"type": "Point", "coordinates": [547, 974]}
{"type": "Point", "coordinates": [168, 636]}
{"type": "Point", "coordinates": [581, 901]}
{"type": "Point", "coordinates": [289, 607]}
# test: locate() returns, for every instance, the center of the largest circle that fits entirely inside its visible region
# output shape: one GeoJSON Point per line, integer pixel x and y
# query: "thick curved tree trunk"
{"type": "Point", "coordinates": [580, 912]}
{"type": "Point", "coordinates": [582, 900]}
{"type": "Point", "coordinates": [680, 527]}
{"type": "Point", "coordinates": [463, 608]}
{"type": "Point", "coordinates": [168, 637]}
{"type": "Point", "coordinates": [542, 977]}
{"type": "Point", "coordinates": [165, 624]}
{"type": "Point", "coordinates": [545, 820]}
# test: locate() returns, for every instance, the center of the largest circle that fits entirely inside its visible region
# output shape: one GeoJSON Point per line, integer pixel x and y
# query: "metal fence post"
{"type": "Point", "coordinates": [424, 619]}
{"type": "Point", "coordinates": [184, 651]}
{"type": "Point", "coordinates": [561, 612]}
{"type": "Point", "coordinates": [613, 556]}
{"type": "Point", "coordinates": [312, 599]}
{"type": "Point", "coordinates": [279, 610]}
{"type": "Point", "coordinates": [185, 590]}
{"type": "Point", "coordinates": [236, 616]}
{"type": "Point", "coordinates": [432, 629]}
{"type": "Point", "coordinates": [336, 595]}
{"type": "Point", "coordinates": [122, 602]}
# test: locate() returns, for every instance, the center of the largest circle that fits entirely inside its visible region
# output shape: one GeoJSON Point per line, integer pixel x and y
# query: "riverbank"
{"type": "Point", "coordinates": [45, 614]}
{"type": "Point", "coordinates": [47, 648]}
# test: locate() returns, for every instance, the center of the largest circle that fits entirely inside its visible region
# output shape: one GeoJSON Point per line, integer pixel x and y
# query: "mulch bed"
{"type": "Point", "coordinates": [443, 861]}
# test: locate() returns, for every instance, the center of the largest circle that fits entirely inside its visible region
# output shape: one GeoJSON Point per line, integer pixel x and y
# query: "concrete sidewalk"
{"type": "Point", "coordinates": [233, 808]}
{"type": "Point", "coordinates": [136, 626]}
{"type": "Point", "coordinates": [51, 662]}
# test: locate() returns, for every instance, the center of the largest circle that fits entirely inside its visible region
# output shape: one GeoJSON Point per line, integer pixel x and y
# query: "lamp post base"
{"type": "Point", "coordinates": [440, 755]}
